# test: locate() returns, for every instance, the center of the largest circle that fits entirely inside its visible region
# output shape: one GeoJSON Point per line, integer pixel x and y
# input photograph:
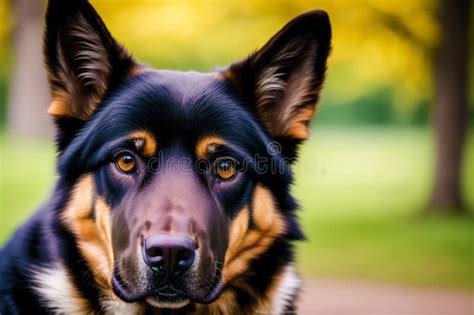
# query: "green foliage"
{"type": "Point", "coordinates": [374, 108]}
{"type": "Point", "coordinates": [3, 100]}
{"type": "Point", "coordinates": [360, 192]}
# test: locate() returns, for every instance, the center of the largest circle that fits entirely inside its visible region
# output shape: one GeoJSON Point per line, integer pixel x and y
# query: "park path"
{"type": "Point", "coordinates": [341, 297]}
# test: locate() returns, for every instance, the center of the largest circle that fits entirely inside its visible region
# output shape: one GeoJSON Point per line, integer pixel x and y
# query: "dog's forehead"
{"type": "Point", "coordinates": [184, 78]}
{"type": "Point", "coordinates": [175, 104]}
{"type": "Point", "coordinates": [178, 88]}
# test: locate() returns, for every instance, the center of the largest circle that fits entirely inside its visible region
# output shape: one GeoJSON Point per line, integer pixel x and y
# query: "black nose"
{"type": "Point", "coordinates": [169, 254]}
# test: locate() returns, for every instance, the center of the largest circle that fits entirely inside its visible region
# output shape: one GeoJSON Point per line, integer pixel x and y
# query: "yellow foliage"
{"type": "Point", "coordinates": [198, 34]}
{"type": "Point", "coordinates": [375, 42]}
{"type": "Point", "coordinates": [5, 31]}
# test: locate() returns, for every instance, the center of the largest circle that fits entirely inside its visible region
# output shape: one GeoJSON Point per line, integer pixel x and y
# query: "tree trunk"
{"type": "Point", "coordinates": [451, 105]}
{"type": "Point", "coordinates": [29, 95]}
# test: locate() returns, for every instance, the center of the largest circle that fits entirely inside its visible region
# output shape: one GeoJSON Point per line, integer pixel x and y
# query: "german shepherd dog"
{"type": "Point", "coordinates": [173, 187]}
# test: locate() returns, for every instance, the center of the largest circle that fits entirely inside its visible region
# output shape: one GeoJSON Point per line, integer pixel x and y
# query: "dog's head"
{"type": "Point", "coordinates": [178, 181]}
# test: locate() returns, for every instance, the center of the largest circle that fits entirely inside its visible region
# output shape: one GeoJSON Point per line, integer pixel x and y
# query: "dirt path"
{"type": "Point", "coordinates": [334, 297]}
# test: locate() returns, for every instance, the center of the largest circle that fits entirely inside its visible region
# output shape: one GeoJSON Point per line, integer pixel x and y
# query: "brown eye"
{"type": "Point", "coordinates": [125, 162]}
{"type": "Point", "coordinates": [226, 168]}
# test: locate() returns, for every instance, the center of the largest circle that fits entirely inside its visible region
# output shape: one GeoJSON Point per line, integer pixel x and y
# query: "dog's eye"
{"type": "Point", "coordinates": [125, 162]}
{"type": "Point", "coordinates": [226, 168]}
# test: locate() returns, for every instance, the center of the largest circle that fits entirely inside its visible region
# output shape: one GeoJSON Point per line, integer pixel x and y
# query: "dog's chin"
{"type": "Point", "coordinates": [175, 299]}
{"type": "Point", "coordinates": [158, 302]}
{"type": "Point", "coordinates": [167, 298]}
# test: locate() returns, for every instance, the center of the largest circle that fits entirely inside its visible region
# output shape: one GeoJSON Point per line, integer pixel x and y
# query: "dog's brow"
{"type": "Point", "coordinates": [144, 141]}
{"type": "Point", "coordinates": [207, 145]}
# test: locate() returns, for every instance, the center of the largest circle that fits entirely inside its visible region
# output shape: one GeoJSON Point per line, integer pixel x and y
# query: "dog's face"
{"type": "Point", "coordinates": [180, 180]}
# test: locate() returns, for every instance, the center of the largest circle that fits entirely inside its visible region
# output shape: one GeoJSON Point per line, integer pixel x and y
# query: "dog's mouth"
{"type": "Point", "coordinates": [167, 296]}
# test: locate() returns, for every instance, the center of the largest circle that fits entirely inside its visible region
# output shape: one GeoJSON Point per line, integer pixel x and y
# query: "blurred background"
{"type": "Point", "coordinates": [386, 182]}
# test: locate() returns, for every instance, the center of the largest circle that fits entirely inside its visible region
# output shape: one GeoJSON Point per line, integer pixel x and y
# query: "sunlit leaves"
{"type": "Point", "coordinates": [376, 43]}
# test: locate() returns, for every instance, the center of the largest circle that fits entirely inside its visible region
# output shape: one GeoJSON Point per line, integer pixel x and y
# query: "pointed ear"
{"type": "Point", "coordinates": [83, 60]}
{"type": "Point", "coordinates": [282, 81]}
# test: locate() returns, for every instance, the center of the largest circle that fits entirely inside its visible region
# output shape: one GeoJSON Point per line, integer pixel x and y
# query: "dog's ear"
{"type": "Point", "coordinates": [83, 60]}
{"type": "Point", "coordinates": [281, 82]}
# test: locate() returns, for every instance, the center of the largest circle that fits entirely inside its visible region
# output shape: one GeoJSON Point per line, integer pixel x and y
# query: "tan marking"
{"type": "Point", "coordinates": [299, 132]}
{"type": "Point", "coordinates": [104, 231]}
{"type": "Point", "coordinates": [63, 105]}
{"type": "Point", "coordinates": [137, 69]}
{"type": "Point", "coordinates": [208, 145]}
{"type": "Point", "coordinates": [298, 127]}
{"type": "Point", "coordinates": [225, 304]}
{"type": "Point", "coordinates": [246, 244]}
{"type": "Point", "coordinates": [58, 108]}
{"type": "Point", "coordinates": [93, 236]}
{"type": "Point", "coordinates": [149, 146]}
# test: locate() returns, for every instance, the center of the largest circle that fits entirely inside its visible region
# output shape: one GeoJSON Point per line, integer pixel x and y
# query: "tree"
{"type": "Point", "coordinates": [451, 105]}
{"type": "Point", "coordinates": [29, 96]}
{"type": "Point", "coordinates": [449, 66]}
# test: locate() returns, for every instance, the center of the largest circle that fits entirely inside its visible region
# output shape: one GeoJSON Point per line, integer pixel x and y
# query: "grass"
{"type": "Point", "coordinates": [360, 192]}
{"type": "Point", "coordinates": [361, 208]}
{"type": "Point", "coordinates": [26, 178]}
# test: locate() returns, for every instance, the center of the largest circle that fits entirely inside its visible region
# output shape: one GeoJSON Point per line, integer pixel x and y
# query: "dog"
{"type": "Point", "coordinates": [173, 191]}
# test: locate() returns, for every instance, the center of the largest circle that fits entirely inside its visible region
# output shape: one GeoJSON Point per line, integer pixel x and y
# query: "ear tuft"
{"type": "Point", "coordinates": [285, 98]}
{"type": "Point", "coordinates": [90, 58]}
{"type": "Point", "coordinates": [282, 81]}
{"type": "Point", "coordinates": [83, 60]}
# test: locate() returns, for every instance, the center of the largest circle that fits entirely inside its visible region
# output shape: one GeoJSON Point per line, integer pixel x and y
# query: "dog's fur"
{"type": "Point", "coordinates": [81, 251]}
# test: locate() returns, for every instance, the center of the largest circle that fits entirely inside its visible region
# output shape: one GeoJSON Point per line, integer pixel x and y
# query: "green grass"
{"type": "Point", "coordinates": [26, 178]}
{"type": "Point", "coordinates": [361, 206]}
{"type": "Point", "coordinates": [360, 192]}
